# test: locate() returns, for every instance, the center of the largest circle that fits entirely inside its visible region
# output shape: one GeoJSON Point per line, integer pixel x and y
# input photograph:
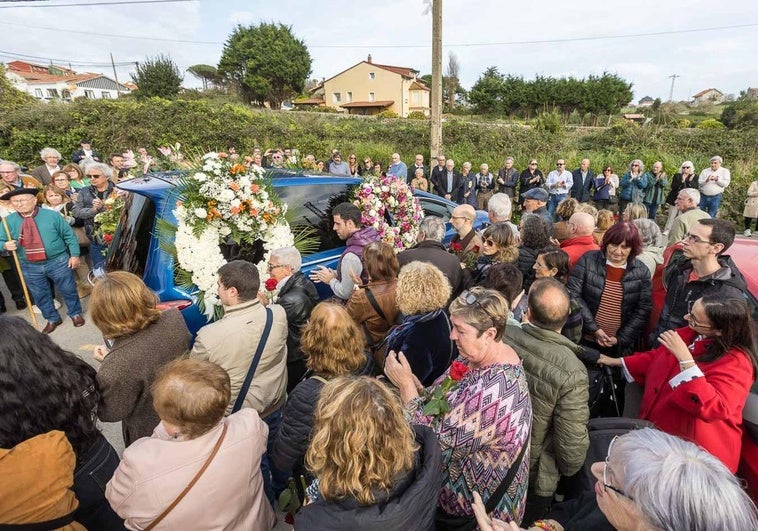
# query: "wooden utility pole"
{"type": "Point", "coordinates": [436, 133]}
{"type": "Point", "coordinates": [671, 92]}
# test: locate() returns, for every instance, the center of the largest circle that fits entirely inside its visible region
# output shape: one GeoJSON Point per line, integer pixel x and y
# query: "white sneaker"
{"type": "Point", "coordinates": [38, 311]}
{"type": "Point", "coordinates": [747, 232]}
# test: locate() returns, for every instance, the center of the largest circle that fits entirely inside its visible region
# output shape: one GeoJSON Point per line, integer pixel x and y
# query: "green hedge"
{"type": "Point", "coordinates": [205, 125]}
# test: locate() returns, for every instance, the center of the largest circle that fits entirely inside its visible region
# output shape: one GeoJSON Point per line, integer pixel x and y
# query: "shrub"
{"type": "Point", "coordinates": [710, 123]}
{"type": "Point", "coordinates": [387, 114]}
{"type": "Point", "coordinates": [417, 115]}
{"type": "Point", "coordinates": [549, 122]}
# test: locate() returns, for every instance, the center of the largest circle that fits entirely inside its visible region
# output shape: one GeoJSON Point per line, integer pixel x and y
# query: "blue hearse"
{"type": "Point", "coordinates": [310, 199]}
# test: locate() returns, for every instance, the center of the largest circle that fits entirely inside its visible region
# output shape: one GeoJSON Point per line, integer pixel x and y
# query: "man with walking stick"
{"type": "Point", "coordinates": [46, 248]}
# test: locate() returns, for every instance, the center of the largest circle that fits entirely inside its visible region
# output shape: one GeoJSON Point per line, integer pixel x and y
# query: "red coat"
{"type": "Point", "coordinates": [706, 411]}
{"type": "Point", "coordinates": [576, 247]}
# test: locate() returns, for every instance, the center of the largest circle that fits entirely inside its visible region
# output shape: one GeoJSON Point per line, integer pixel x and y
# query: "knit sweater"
{"type": "Point", "coordinates": [57, 236]}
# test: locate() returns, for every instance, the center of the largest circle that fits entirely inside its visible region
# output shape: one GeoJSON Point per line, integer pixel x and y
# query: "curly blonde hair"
{"type": "Point", "coordinates": [361, 441]}
{"type": "Point", "coordinates": [421, 288]}
{"type": "Point", "coordinates": [121, 304]}
{"type": "Point", "coordinates": [332, 342]}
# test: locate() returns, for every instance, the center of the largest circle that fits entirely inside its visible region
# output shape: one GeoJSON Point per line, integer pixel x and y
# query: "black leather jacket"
{"type": "Point", "coordinates": [297, 296]}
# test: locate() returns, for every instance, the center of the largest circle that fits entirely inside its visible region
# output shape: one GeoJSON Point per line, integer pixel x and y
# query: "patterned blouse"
{"type": "Point", "coordinates": [490, 419]}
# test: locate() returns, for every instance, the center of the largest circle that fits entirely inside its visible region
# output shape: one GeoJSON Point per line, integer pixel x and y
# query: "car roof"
{"type": "Point", "coordinates": [744, 253]}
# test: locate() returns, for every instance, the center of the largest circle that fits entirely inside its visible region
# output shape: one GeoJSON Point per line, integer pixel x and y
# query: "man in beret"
{"type": "Point", "coordinates": [48, 250]}
{"type": "Point", "coordinates": [535, 201]}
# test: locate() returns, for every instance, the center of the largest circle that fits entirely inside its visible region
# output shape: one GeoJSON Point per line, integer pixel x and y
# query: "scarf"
{"type": "Point", "coordinates": [31, 240]}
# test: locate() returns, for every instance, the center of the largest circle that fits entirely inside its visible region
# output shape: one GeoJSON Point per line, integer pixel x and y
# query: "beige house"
{"type": "Point", "coordinates": [709, 95]}
{"type": "Point", "coordinates": [370, 88]}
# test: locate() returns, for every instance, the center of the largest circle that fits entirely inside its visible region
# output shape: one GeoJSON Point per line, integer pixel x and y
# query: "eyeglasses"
{"type": "Point", "coordinates": [366, 162]}
{"type": "Point", "coordinates": [607, 169]}
{"type": "Point", "coordinates": [22, 201]}
{"type": "Point", "coordinates": [559, 164]}
{"type": "Point", "coordinates": [271, 267]}
{"type": "Point", "coordinates": [691, 318]}
{"type": "Point", "coordinates": [635, 165]}
{"type": "Point", "coordinates": [532, 164]}
{"type": "Point", "coordinates": [605, 473]}
{"type": "Point", "coordinates": [692, 238]}
{"type": "Point", "coordinates": [95, 175]}
{"type": "Point", "coordinates": [489, 242]}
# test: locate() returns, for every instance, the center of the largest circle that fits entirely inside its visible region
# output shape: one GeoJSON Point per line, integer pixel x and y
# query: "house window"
{"type": "Point", "coordinates": [371, 96]}
{"type": "Point", "coordinates": [105, 95]}
{"type": "Point", "coordinates": [371, 75]}
{"type": "Point", "coordinates": [416, 98]}
{"type": "Point", "coordinates": [349, 97]}
{"type": "Point", "coordinates": [336, 97]}
{"type": "Point", "coordinates": [52, 93]}
{"type": "Point", "coordinates": [89, 94]}
{"type": "Point", "coordinates": [38, 93]}
{"type": "Point", "coordinates": [66, 94]}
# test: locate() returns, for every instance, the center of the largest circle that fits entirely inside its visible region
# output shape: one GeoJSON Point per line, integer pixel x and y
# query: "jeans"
{"type": "Point", "coordinates": [57, 270]}
{"type": "Point", "coordinates": [652, 210]}
{"type": "Point", "coordinates": [90, 477]}
{"type": "Point", "coordinates": [553, 203]}
{"type": "Point", "coordinates": [274, 480]}
{"type": "Point", "coordinates": [96, 253]}
{"type": "Point", "coordinates": [710, 204]}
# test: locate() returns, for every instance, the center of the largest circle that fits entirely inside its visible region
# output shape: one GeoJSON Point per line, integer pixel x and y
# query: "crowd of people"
{"type": "Point", "coordinates": [442, 387]}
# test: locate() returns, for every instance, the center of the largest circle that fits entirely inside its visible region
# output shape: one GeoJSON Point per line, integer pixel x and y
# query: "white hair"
{"type": "Point", "coordinates": [687, 163]}
{"type": "Point", "coordinates": [716, 158]}
{"type": "Point", "coordinates": [500, 206]}
{"type": "Point", "coordinates": [15, 165]}
{"type": "Point", "coordinates": [49, 152]}
{"type": "Point", "coordinates": [694, 194]}
{"type": "Point", "coordinates": [641, 167]}
{"type": "Point", "coordinates": [677, 485]}
{"type": "Point", "coordinates": [288, 256]}
{"type": "Point", "coordinates": [107, 171]}
{"type": "Point", "coordinates": [433, 228]}
{"type": "Point", "coordinates": [650, 232]}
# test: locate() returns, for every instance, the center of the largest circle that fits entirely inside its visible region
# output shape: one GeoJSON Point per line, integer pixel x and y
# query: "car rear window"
{"type": "Point", "coordinates": [131, 243]}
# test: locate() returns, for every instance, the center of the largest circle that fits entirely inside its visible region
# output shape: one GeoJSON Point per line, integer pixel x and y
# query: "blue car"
{"type": "Point", "coordinates": [310, 199]}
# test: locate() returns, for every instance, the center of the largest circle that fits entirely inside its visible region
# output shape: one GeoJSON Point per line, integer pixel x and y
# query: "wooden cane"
{"type": "Point", "coordinates": [21, 277]}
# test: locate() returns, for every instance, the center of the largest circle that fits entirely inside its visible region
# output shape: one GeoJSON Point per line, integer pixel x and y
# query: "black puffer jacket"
{"type": "Point", "coordinates": [294, 432]}
{"type": "Point", "coordinates": [586, 285]}
{"type": "Point", "coordinates": [410, 504]}
{"type": "Point", "coordinates": [297, 296]}
{"type": "Point", "coordinates": [526, 258]}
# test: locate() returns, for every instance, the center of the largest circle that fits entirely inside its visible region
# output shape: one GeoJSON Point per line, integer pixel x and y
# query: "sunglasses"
{"type": "Point", "coordinates": [489, 242]}
{"type": "Point", "coordinates": [95, 175]}
{"type": "Point", "coordinates": [469, 298]}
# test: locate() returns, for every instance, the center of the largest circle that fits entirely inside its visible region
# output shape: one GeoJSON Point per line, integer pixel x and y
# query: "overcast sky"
{"type": "Point", "coordinates": [340, 33]}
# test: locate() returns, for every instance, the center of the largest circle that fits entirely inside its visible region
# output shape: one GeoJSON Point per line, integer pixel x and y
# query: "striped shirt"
{"type": "Point", "coordinates": [608, 316]}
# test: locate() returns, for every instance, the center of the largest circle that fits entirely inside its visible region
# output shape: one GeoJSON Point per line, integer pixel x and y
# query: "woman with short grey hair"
{"type": "Point", "coordinates": [652, 243]}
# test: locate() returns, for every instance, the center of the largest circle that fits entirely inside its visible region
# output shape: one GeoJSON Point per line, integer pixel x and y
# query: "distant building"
{"type": "Point", "coordinates": [752, 93]}
{"type": "Point", "coordinates": [709, 95]}
{"type": "Point", "coordinates": [53, 82]}
{"type": "Point", "coordinates": [370, 88]}
{"type": "Point", "coordinates": [647, 101]}
{"type": "Point", "coordinates": [634, 117]}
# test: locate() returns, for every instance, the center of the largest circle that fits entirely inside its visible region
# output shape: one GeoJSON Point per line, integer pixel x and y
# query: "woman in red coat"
{"type": "Point", "coordinates": [696, 383]}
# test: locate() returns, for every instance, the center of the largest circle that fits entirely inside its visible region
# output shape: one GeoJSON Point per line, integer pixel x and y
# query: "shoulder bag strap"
{"type": "Point", "coordinates": [375, 305]}
{"type": "Point", "coordinates": [191, 483]}
{"type": "Point", "coordinates": [254, 364]}
{"type": "Point", "coordinates": [507, 480]}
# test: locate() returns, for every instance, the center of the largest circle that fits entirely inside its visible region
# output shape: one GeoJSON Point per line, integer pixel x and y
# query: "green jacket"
{"type": "Point", "coordinates": [57, 235]}
{"type": "Point", "coordinates": [559, 390]}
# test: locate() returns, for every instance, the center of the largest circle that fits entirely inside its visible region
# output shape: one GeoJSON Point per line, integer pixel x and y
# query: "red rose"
{"type": "Point", "coordinates": [457, 371]}
{"type": "Point", "coordinates": [108, 238]}
{"type": "Point", "coordinates": [475, 249]}
{"type": "Point", "coordinates": [456, 247]}
{"type": "Point", "coordinates": [271, 284]}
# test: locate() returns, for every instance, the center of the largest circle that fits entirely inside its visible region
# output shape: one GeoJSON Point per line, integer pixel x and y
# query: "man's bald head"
{"type": "Point", "coordinates": [581, 224]}
{"type": "Point", "coordinates": [548, 304]}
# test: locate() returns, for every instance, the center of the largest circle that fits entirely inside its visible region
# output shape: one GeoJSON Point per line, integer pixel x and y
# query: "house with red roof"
{"type": "Point", "coordinates": [370, 88]}
{"type": "Point", "coordinates": [52, 82]}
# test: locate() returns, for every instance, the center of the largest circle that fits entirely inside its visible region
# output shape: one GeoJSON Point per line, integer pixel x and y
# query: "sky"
{"type": "Point", "coordinates": [643, 41]}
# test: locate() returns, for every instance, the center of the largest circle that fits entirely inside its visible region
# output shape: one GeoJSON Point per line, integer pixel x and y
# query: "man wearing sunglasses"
{"type": "Point", "coordinates": [90, 202]}
{"type": "Point", "coordinates": [702, 269]}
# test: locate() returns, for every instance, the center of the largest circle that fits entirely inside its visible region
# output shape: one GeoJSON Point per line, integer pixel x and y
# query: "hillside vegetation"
{"type": "Point", "coordinates": [205, 125]}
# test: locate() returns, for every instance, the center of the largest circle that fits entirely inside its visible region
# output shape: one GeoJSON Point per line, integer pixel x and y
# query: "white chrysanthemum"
{"type": "Point", "coordinates": [201, 213]}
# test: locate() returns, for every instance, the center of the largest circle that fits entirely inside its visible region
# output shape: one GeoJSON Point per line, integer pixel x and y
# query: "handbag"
{"type": "Point", "coordinates": [200, 472]}
{"type": "Point", "coordinates": [449, 522]}
{"type": "Point", "coordinates": [254, 364]}
{"type": "Point", "coordinates": [376, 349]}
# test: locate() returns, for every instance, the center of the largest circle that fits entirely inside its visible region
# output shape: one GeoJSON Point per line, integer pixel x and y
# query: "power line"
{"type": "Point", "coordinates": [13, 55]}
{"type": "Point", "coordinates": [89, 4]}
{"type": "Point", "coordinates": [458, 45]}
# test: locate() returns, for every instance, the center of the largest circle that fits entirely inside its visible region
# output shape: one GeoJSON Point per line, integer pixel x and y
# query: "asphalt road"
{"type": "Point", "coordinates": [81, 341]}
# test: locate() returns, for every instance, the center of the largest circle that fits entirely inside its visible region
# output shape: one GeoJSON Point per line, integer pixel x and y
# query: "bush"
{"type": "Point", "coordinates": [710, 123]}
{"type": "Point", "coordinates": [387, 114]}
{"type": "Point", "coordinates": [417, 115]}
{"type": "Point", "coordinates": [549, 122]}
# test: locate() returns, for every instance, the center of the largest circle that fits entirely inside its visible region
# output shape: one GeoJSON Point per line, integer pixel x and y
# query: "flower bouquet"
{"type": "Point", "coordinates": [107, 221]}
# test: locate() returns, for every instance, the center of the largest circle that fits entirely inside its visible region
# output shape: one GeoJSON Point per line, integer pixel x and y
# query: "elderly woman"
{"type": "Point", "coordinates": [487, 398]}
{"type": "Point", "coordinates": [697, 382]}
{"type": "Point", "coordinates": [565, 210]}
{"type": "Point", "coordinates": [652, 244]}
{"type": "Point", "coordinates": [374, 471]}
{"type": "Point", "coordinates": [633, 185]}
{"type": "Point", "coordinates": [651, 480]}
{"type": "Point", "coordinates": [424, 335]}
{"type": "Point", "coordinates": [334, 347]}
{"type": "Point", "coordinates": [374, 306]}
{"type": "Point", "coordinates": [685, 178]}
{"type": "Point", "coordinates": [194, 447]}
{"type": "Point", "coordinates": [46, 388]}
{"type": "Point", "coordinates": [614, 291]}
{"type": "Point", "coordinates": [124, 309]}
{"type": "Point", "coordinates": [297, 295]}
{"type": "Point", "coordinates": [535, 235]}
{"type": "Point", "coordinates": [44, 173]}
{"type": "Point", "coordinates": [499, 246]}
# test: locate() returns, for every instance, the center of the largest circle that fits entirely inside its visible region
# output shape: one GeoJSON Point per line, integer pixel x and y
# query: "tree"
{"type": "Point", "coordinates": [266, 63]}
{"type": "Point", "coordinates": [207, 74]}
{"type": "Point", "coordinates": [10, 96]}
{"type": "Point", "coordinates": [157, 76]}
{"type": "Point", "coordinates": [451, 78]}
